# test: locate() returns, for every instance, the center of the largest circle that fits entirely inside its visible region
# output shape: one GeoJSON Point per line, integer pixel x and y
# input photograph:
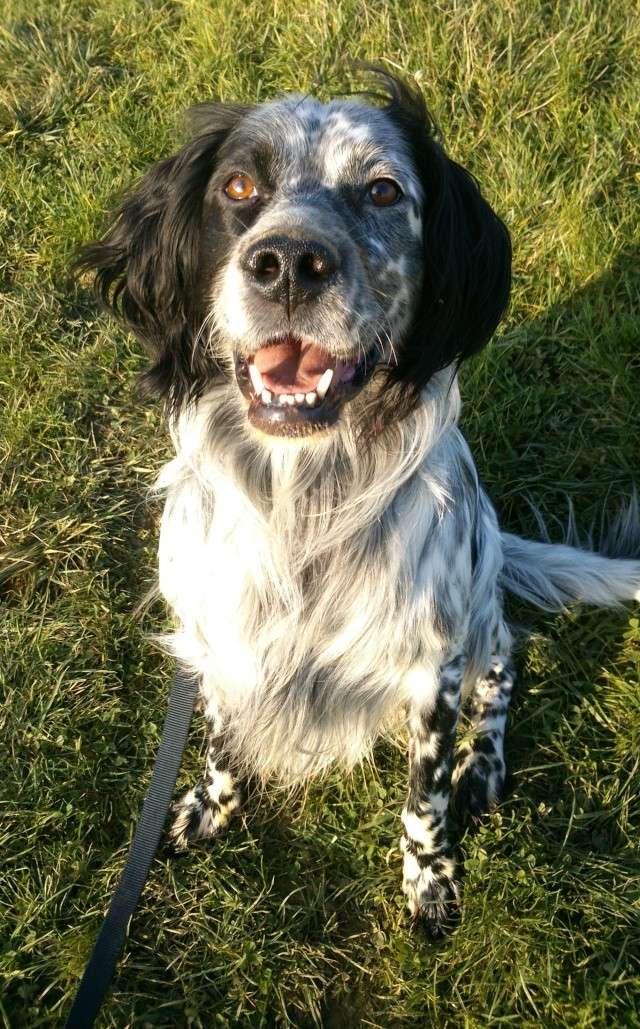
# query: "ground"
{"type": "Point", "coordinates": [296, 918]}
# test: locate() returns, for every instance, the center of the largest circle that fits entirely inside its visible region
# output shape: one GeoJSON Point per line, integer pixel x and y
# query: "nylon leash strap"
{"type": "Point", "coordinates": [102, 963]}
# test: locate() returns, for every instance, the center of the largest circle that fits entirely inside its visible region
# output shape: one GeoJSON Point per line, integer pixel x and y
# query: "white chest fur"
{"type": "Point", "coordinates": [307, 597]}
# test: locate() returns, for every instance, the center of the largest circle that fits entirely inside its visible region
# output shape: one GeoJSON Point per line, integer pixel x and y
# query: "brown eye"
{"type": "Point", "coordinates": [240, 187]}
{"type": "Point", "coordinates": [384, 192]}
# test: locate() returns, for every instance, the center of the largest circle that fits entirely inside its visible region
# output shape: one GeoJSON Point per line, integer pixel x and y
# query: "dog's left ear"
{"type": "Point", "coordinates": [467, 265]}
{"type": "Point", "coordinates": [147, 268]}
{"type": "Point", "coordinates": [467, 253]}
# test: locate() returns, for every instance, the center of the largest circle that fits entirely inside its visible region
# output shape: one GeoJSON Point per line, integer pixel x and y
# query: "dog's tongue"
{"type": "Point", "coordinates": [292, 366]}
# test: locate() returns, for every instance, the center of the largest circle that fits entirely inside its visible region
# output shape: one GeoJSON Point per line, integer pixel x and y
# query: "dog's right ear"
{"type": "Point", "coordinates": [146, 266]}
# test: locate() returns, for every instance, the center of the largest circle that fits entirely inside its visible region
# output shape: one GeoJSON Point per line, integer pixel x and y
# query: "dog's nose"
{"type": "Point", "coordinates": [290, 271]}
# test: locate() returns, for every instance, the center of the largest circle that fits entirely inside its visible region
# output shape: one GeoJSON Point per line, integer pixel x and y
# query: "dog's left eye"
{"type": "Point", "coordinates": [384, 192]}
{"type": "Point", "coordinates": [240, 187]}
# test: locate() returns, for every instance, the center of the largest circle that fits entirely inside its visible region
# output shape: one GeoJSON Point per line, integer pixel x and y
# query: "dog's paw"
{"type": "Point", "coordinates": [432, 891]}
{"type": "Point", "coordinates": [478, 782]}
{"type": "Point", "coordinates": [199, 816]}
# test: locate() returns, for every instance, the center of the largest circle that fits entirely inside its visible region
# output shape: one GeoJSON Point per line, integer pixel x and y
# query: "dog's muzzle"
{"type": "Point", "coordinates": [294, 386]}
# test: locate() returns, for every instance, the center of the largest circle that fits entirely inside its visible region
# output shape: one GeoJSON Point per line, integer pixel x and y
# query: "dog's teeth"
{"type": "Point", "coordinates": [265, 396]}
{"type": "Point", "coordinates": [325, 382]}
{"type": "Point", "coordinates": [283, 399]}
{"type": "Point", "coordinates": [311, 398]}
{"type": "Point", "coordinates": [299, 398]}
{"type": "Point", "coordinates": [256, 379]}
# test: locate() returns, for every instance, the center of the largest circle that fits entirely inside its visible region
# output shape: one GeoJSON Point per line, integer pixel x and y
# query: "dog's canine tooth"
{"type": "Point", "coordinates": [324, 383]}
{"type": "Point", "coordinates": [266, 396]}
{"type": "Point", "coordinates": [311, 398]}
{"type": "Point", "coordinates": [256, 379]}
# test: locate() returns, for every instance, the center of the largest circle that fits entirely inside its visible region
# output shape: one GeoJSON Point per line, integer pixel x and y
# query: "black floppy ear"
{"type": "Point", "coordinates": [147, 265]}
{"type": "Point", "coordinates": [467, 253]}
{"type": "Point", "coordinates": [467, 265]}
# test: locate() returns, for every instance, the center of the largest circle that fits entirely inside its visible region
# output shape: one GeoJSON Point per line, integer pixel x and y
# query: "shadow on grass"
{"type": "Point", "coordinates": [551, 408]}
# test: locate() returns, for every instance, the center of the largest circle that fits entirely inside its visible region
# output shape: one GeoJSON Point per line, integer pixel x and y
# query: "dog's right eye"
{"type": "Point", "coordinates": [240, 187]}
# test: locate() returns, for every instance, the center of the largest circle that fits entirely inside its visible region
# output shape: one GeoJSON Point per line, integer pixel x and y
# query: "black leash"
{"type": "Point", "coordinates": [102, 963]}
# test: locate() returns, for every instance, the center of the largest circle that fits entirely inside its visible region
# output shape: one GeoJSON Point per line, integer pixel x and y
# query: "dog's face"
{"type": "Point", "coordinates": [303, 251]}
{"type": "Point", "coordinates": [319, 207]}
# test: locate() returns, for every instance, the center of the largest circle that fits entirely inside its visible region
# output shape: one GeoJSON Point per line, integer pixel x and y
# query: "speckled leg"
{"type": "Point", "coordinates": [206, 809]}
{"type": "Point", "coordinates": [479, 771]}
{"type": "Point", "coordinates": [430, 882]}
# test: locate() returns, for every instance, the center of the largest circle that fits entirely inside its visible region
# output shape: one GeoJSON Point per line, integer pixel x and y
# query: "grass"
{"type": "Point", "coordinates": [296, 917]}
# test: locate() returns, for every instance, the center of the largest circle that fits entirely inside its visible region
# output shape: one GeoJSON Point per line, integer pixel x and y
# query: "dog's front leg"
{"type": "Point", "coordinates": [429, 881]}
{"type": "Point", "coordinates": [479, 771]}
{"type": "Point", "coordinates": [206, 809]}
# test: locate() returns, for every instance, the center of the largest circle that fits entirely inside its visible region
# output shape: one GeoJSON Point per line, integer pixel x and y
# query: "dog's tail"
{"type": "Point", "coordinates": [553, 576]}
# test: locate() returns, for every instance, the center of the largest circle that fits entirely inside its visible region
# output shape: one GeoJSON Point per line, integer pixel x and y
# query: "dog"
{"type": "Point", "coordinates": [307, 279]}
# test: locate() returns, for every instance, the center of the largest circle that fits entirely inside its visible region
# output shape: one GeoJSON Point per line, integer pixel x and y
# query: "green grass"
{"type": "Point", "coordinates": [296, 917]}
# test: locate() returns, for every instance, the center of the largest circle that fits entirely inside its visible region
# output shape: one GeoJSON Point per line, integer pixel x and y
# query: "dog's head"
{"type": "Point", "coordinates": [318, 253]}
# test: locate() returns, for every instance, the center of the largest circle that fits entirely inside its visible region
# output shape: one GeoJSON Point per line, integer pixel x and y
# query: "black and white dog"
{"type": "Point", "coordinates": [307, 278]}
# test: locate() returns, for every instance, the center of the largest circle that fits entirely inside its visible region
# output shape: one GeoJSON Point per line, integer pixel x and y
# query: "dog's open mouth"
{"type": "Point", "coordinates": [295, 388]}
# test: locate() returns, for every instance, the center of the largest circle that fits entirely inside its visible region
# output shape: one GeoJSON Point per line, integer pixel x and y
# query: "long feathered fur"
{"type": "Point", "coordinates": [555, 575]}
{"type": "Point", "coordinates": [308, 581]}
